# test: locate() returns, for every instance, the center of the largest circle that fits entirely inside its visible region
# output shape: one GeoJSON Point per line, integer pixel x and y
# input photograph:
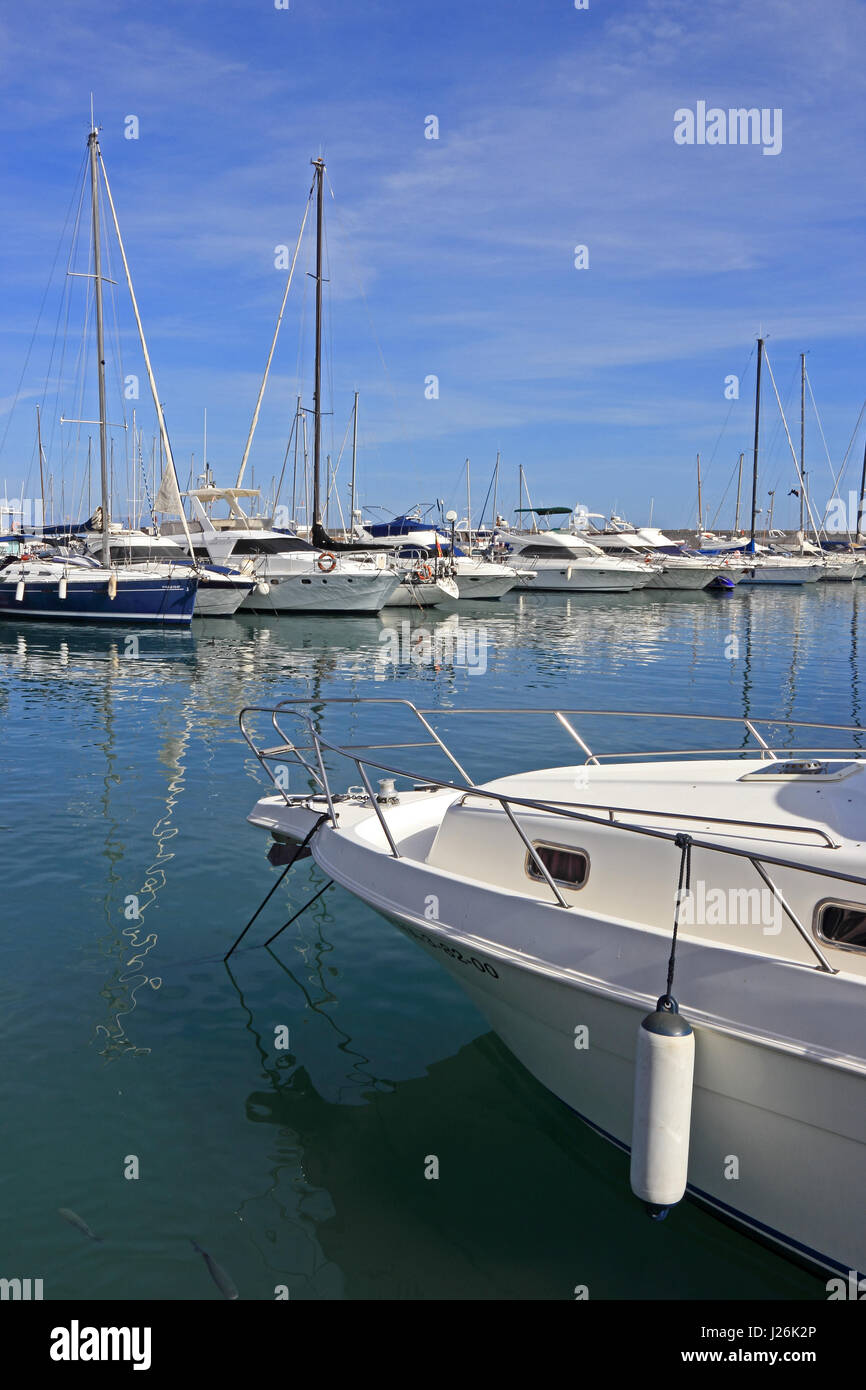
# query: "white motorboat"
{"type": "Point", "coordinates": [672, 568]}
{"type": "Point", "coordinates": [550, 896]}
{"type": "Point", "coordinates": [290, 574]}
{"type": "Point", "coordinates": [414, 542]}
{"type": "Point", "coordinates": [559, 562]}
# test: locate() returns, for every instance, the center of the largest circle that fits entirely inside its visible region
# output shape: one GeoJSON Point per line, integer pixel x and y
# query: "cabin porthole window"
{"type": "Point", "coordinates": [841, 924]}
{"type": "Point", "coordinates": [568, 867]}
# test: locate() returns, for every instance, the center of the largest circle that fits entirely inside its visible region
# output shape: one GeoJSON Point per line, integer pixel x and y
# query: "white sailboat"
{"type": "Point", "coordinates": [292, 575]}
{"type": "Point", "coordinates": [46, 581]}
{"type": "Point", "coordinates": [766, 564]}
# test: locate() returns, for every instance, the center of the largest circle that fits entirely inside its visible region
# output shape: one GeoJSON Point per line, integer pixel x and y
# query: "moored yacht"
{"type": "Point", "coordinates": [40, 577]}
{"type": "Point", "coordinates": [42, 580]}
{"type": "Point", "coordinates": [221, 589]}
{"type": "Point", "coordinates": [516, 886]}
{"type": "Point", "coordinates": [562, 562]}
{"type": "Point", "coordinates": [673, 567]}
{"type": "Point", "coordinates": [290, 574]}
{"type": "Point", "coordinates": [412, 540]}
{"type": "Point", "coordinates": [423, 587]}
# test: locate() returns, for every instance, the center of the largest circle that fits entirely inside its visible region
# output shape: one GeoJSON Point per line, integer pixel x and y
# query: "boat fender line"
{"type": "Point", "coordinates": [663, 1083]}
{"type": "Point", "coordinates": [302, 846]}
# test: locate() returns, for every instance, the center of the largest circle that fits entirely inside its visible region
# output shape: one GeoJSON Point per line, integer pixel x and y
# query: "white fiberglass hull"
{"type": "Point", "coordinates": [749, 1102]}
{"type": "Point", "coordinates": [790, 1115]}
{"type": "Point", "coordinates": [220, 597]}
{"type": "Point", "coordinates": [480, 580]}
{"type": "Point", "coordinates": [841, 571]}
{"type": "Point", "coordinates": [314, 592]}
{"type": "Point", "coordinates": [687, 576]}
{"type": "Point", "coordinates": [783, 571]}
{"type": "Point", "coordinates": [424, 594]}
{"type": "Point", "coordinates": [586, 577]}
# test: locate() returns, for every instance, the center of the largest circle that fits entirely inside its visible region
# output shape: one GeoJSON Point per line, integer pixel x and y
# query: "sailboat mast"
{"type": "Point", "coordinates": [495, 486]}
{"type": "Point", "coordinates": [354, 466]}
{"type": "Point", "coordinates": [41, 473]}
{"type": "Point", "coordinates": [700, 506]}
{"type": "Point", "coordinates": [862, 493]}
{"type": "Point", "coordinates": [319, 166]}
{"type": "Point", "coordinates": [468, 506]}
{"type": "Point", "coordinates": [757, 431]}
{"type": "Point", "coordinates": [92, 141]}
{"type": "Point", "coordinates": [295, 464]}
{"type": "Point", "coordinates": [802, 439]}
{"type": "Point", "coordinates": [739, 490]}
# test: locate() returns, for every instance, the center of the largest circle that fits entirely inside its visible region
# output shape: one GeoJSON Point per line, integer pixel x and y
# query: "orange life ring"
{"type": "Point", "coordinates": [425, 572]}
{"type": "Point", "coordinates": [326, 568]}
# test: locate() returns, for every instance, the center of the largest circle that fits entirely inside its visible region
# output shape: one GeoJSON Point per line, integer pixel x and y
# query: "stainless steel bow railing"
{"type": "Point", "coordinates": [318, 745]}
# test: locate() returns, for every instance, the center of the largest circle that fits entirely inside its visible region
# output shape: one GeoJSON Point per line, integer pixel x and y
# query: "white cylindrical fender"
{"type": "Point", "coordinates": [19, 590]}
{"type": "Point", "coordinates": [61, 587]}
{"type": "Point", "coordinates": [263, 588]}
{"type": "Point", "coordinates": [112, 586]}
{"type": "Point", "coordinates": [661, 1123]}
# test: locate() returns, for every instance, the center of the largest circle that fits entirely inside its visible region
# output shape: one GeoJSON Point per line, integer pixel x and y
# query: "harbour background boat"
{"type": "Point", "coordinates": [304, 1165]}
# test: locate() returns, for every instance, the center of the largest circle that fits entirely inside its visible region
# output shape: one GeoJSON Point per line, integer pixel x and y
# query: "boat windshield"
{"type": "Point", "coordinates": [129, 554]}
{"type": "Point", "coordinates": [270, 545]}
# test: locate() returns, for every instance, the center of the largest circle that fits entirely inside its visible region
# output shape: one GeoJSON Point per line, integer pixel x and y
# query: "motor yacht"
{"type": "Point", "coordinates": [573, 903]}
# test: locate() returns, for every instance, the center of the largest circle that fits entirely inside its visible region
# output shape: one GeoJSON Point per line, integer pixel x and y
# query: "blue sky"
{"type": "Point", "coordinates": [455, 256]}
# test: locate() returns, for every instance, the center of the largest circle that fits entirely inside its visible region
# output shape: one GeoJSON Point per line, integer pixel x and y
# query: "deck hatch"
{"type": "Point", "coordinates": [809, 769]}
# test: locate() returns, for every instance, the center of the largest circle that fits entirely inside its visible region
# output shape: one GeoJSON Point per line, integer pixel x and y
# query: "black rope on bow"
{"type": "Point", "coordinates": [296, 915]}
{"type": "Point", "coordinates": [267, 898]}
{"type": "Point", "coordinates": [667, 1003]}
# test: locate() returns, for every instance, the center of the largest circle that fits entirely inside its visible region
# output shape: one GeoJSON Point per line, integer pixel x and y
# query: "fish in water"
{"type": "Point", "coordinates": [75, 1220]}
{"type": "Point", "coordinates": [217, 1273]}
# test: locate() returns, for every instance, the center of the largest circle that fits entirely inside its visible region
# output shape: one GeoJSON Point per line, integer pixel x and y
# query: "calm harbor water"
{"type": "Point", "coordinates": [126, 778]}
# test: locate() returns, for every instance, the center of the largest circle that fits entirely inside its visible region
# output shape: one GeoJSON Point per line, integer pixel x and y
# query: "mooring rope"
{"type": "Point", "coordinates": [302, 846]}
{"type": "Point", "coordinates": [667, 1003]}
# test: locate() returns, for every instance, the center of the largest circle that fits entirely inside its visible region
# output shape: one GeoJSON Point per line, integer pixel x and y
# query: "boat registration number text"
{"type": "Point", "coordinates": [453, 952]}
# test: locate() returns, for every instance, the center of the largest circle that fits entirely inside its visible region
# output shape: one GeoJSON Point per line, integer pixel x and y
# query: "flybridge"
{"type": "Point", "coordinates": [736, 126]}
